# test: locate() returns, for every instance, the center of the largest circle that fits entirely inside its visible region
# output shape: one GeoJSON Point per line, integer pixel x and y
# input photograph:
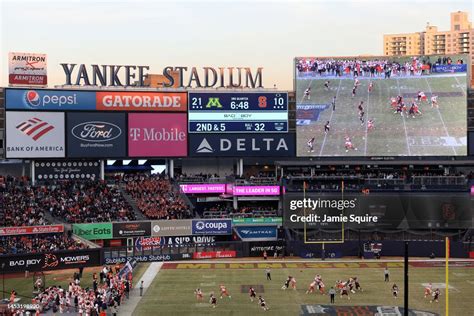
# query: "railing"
{"type": "Point", "coordinates": [237, 214]}
{"type": "Point", "coordinates": [439, 180]}
{"type": "Point", "coordinates": [256, 181]}
{"type": "Point", "coordinates": [199, 179]}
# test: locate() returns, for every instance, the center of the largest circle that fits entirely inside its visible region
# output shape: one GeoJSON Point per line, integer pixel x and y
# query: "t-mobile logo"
{"type": "Point", "coordinates": [135, 133]}
{"type": "Point", "coordinates": [152, 134]}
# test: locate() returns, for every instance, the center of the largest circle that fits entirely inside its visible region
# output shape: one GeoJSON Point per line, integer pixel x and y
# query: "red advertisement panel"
{"type": "Point", "coordinates": [31, 230]}
{"type": "Point", "coordinates": [28, 79]}
{"type": "Point", "coordinates": [142, 101]}
{"type": "Point", "coordinates": [157, 135]}
{"type": "Point", "coordinates": [214, 254]}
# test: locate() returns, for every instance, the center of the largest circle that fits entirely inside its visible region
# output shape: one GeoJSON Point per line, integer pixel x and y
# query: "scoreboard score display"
{"type": "Point", "coordinates": [238, 112]}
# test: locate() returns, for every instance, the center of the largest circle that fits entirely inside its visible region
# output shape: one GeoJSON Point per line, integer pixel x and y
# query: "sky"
{"type": "Point", "coordinates": [266, 34]}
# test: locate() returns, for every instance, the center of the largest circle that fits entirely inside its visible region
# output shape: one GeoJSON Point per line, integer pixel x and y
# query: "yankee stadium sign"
{"type": "Point", "coordinates": [183, 77]}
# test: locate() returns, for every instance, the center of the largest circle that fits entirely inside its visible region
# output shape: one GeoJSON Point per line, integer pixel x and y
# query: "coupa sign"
{"type": "Point", "coordinates": [176, 76]}
{"type": "Point", "coordinates": [212, 227]}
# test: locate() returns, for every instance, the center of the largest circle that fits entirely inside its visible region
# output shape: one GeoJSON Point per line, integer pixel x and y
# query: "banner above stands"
{"type": "Point", "coordinates": [230, 189]}
{"type": "Point", "coordinates": [257, 221]}
{"type": "Point", "coordinates": [31, 230]}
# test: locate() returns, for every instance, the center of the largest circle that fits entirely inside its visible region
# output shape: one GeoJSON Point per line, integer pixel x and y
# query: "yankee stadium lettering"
{"type": "Point", "coordinates": [135, 75]}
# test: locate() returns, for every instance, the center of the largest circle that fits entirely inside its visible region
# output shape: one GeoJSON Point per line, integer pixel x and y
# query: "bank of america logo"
{"type": "Point", "coordinates": [204, 147]}
{"type": "Point", "coordinates": [35, 128]}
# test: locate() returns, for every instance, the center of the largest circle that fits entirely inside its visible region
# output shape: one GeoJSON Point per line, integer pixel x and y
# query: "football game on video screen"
{"type": "Point", "coordinates": [381, 106]}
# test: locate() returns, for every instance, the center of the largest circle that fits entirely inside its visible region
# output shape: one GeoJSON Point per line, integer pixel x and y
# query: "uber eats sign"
{"type": "Point", "coordinates": [93, 231]}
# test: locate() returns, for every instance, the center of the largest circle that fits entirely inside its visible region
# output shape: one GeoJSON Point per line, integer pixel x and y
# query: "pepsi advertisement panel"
{"type": "Point", "coordinates": [96, 135]}
{"type": "Point", "coordinates": [64, 100]}
{"type": "Point", "coordinates": [212, 227]}
{"type": "Point", "coordinates": [223, 112]}
{"type": "Point", "coordinates": [242, 145]}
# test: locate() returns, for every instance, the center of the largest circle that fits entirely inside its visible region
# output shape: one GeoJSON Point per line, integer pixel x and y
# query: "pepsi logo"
{"type": "Point", "coordinates": [32, 98]}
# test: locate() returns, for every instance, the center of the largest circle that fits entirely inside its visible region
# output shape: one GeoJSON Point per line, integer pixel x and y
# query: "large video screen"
{"type": "Point", "coordinates": [381, 106]}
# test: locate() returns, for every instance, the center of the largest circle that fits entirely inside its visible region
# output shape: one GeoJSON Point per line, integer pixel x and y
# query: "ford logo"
{"type": "Point", "coordinates": [96, 131]}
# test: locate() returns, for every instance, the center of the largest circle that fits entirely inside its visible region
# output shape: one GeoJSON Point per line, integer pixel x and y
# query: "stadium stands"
{"type": "Point", "coordinates": [331, 180]}
{"type": "Point", "coordinates": [38, 243]}
{"type": "Point", "coordinates": [19, 206]}
{"type": "Point", "coordinates": [85, 202]}
{"type": "Point", "coordinates": [156, 197]}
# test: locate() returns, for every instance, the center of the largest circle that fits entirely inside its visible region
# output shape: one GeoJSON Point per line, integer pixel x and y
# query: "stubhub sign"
{"type": "Point", "coordinates": [212, 227]}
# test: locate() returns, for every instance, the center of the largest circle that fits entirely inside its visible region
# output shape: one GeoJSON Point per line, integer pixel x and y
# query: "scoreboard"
{"type": "Point", "coordinates": [237, 112]}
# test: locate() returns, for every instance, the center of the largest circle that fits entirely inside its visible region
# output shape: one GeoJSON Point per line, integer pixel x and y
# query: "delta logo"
{"type": "Point", "coordinates": [34, 128]}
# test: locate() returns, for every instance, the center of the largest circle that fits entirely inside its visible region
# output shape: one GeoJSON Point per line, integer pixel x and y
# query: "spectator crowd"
{"type": "Point", "coordinates": [104, 297]}
{"type": "Point", "coordinates": [371, 67]}
{"type": "Point", "coordinates": [156, 197]}
{"type": "Point", "coordinates": [85, 202]}
{"type": "Point", "coordinates": [38, 243]}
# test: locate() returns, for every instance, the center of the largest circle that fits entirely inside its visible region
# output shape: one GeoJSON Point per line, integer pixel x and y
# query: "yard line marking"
{"type": "Point", "coordinates": [463, 90]}
{"type": "Point", "coordinates": [367, 120]}
{"type": "Point", "coordinates": [441, 117]}
{"type": "Point", "coordinates": [330, 118]}
{"type": "Point", "coordinates": [301, 102]}
{"type": "Point", "coordinates": [404, 124]}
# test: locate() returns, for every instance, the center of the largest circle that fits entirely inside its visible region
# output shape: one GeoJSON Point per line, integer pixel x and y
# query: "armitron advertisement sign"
{"type": "Point", "coordinates": [27, 69]}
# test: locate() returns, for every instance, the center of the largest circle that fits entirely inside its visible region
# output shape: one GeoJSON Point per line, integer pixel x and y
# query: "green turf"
{"type": "Point", "coordinates": [171, 293]}
{"type": "Point", "coordinates": [24, 286]}
{"type": "Point", "coordinates": [436, 132]}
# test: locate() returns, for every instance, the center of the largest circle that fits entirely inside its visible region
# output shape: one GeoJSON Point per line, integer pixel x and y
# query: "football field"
{"type": "Point", "coordinates": [437, 131]}
{"type": "Point", "coordinates": [172, 291]}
